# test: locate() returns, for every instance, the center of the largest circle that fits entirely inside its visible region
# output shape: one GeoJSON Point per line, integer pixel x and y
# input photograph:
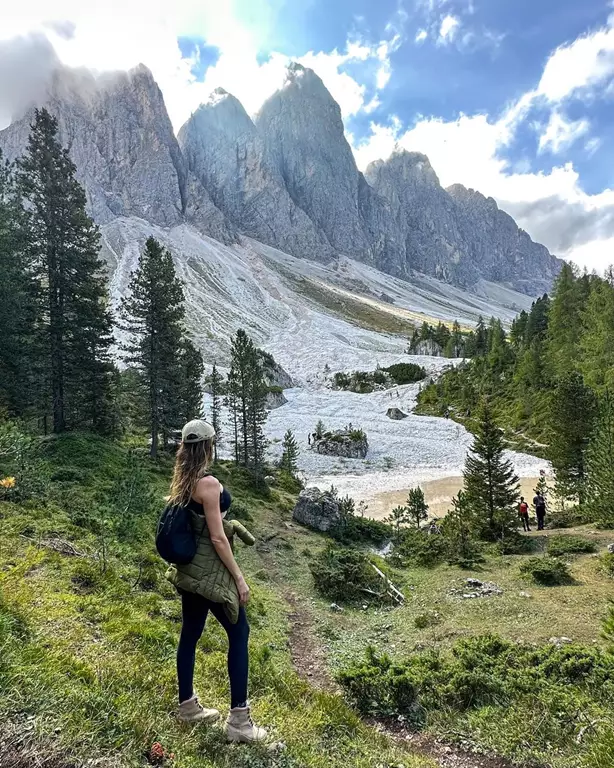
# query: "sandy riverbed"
{"type": "Point", "coordinates": [438, 495]}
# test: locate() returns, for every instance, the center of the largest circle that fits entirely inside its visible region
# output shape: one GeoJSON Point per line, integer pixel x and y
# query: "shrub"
{"type": "Point", "coordinates": [361, 530]}
{"type": "Point", "coordinates": [425, 620]}
{"type": "Point", "coordinates": [567, 545]}
{"type": "Point", "coordinates": [417, 547]}
{"type": "Point", "coordinates": [546, 570]}
{"type": "Point", "coordinates": [569, 517]}
{"type": "Point", "coordinates": [345, 575]}
{"type": "Point", "coordinates": [240, 511]}
{"type": "Point", "coordinates": [515, 544]}
{"type": "Point", "coordinates": [606, 563]}
{"type": "Point", "coordinates": [406, 373]}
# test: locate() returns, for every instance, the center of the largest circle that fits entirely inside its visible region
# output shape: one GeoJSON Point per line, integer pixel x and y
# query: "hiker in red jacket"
{"type": "Point", "coordinates": [523, 511]}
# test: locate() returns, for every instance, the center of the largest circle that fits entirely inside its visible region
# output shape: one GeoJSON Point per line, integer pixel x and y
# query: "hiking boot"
{"type": "Point", "coordinates": [240, 727]}
{"type": "Point", "coordinates": [191, 711]}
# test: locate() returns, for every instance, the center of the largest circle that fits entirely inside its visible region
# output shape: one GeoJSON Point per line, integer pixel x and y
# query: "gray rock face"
{"type": "Point", "coordinates": [120, 138]}
{"type": "Point", "coordinates": [275, 399]}
{"type": "Point", "coordinates": [303, 133]}
{"type": "Point", "coordinates": [289, 180]}
{"type": "Point", "coordinates": [225, 152]}
{"type": "Point", "coordinates": [316, 510]}
{"type": "Point", "coordinates": [424, 215]}
{"type": "Point", "coordinates": [499, 249]}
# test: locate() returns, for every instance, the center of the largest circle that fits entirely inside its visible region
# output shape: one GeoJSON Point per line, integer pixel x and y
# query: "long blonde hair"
{"type": "Point", "coordinates": [191, 463]}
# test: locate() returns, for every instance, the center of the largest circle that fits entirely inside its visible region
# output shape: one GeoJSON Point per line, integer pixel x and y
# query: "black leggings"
{"type": "Point", "coordinates": [194, 611]}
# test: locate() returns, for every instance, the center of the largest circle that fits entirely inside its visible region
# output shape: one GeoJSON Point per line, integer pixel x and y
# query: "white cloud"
{"type": "Point", "coordinates": [120, 34]}
{"type": "Point", "coordinates": [448, 30]}
{"type": "Point", "coordinates": [421, 36]}
{"type": "Point", "coordinates": [587, 62]}
{"type": "Point", "coordinates": [552, 206]}
{"type": "Point", "coordinates": [561, 133]}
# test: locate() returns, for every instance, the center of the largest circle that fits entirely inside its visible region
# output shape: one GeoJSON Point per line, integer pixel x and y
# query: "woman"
{"type": "Point", "coordinates": [212, 582]}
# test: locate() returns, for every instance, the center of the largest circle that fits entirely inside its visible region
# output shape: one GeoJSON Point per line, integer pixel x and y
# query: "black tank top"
{"type": "Point", "coordinates": [225, 502]}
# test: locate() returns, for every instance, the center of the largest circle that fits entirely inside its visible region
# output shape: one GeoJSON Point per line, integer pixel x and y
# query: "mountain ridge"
{"type": "Point", "coordinates": [287, 178]}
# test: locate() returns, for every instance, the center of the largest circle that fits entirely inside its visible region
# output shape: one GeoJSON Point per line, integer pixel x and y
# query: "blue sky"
{"type": "Point", "coordinates": [511, 97]}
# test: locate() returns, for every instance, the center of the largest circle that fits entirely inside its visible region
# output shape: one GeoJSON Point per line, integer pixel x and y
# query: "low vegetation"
{"type": "Point", "coordinates": [531, 703]}
{"type": "Point", "coordinates": [569, 545]}
{"type": "Point", "coordinates": [548, 571]}
{"type": "Point", "coordinates": [364, 382]}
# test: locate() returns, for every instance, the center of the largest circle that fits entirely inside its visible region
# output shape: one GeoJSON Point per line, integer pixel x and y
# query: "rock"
{"type": "Point", "coordinates": [275, 399]}
{"type": "Point", "coordinates": [560, 640]}
{"type": "Point", "coordinates": [611, 549]}
{"type": "Point", "coordinates": [524, 594]}
{"type": "Point", "coordinates": [335, 607]}
{"type": "Point", "coordinates": [351, 445]}
{"type": "Point", "coordinates": [316, 510]}
{"type": "Point", "coordinates": [474, 583]}
{"type": "Point", "coordinates": [121, 140]}
{"type": "Point", "coordinates": [270, 480]}
{"type": "Point", "coordinates": [396, 414]}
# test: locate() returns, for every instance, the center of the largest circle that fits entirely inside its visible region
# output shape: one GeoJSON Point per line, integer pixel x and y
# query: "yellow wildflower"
{"type": "Point", "coordinates": [7, 482]}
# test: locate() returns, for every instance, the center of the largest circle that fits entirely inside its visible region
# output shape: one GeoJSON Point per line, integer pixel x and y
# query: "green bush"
{"type": "Point", "coordinates": [546, 570]}
{"type": "Point", "coordinates": [567, 545]}
{"type": "Point", "coordinates": [417, 547]}
{"type": "Point", "coordinates": [406, 373]}
{"type": "Point", "coordinates": [425, 620]}
{"type": "Point", "coordinates": [345, 575]}
{"type": "Point", "coordinates": [606, 563]}
{"type": "Point", "coordinates": [240, 511]}
{"type": "Point", "coordinates": [569, 517]}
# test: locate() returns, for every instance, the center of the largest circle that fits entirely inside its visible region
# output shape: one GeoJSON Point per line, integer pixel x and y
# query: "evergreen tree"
{"type": "Point", "coordinates": [597, 340]}
{"type": "Point", "coordinates": [320, 429]}
{"type": "Point", "coordinates": [396, 519]}
{"type": "Point", "coordinates": [133, 500]}
{"type": "Point", "coordinates": [481, 338]}
{"type": "Point", "coordinates": [152, 315]}
{"type": "Point", "coordinates": [215, 383]}
{"type": "Point", "coordinates": [491, 486]}
{"type": "Point", "coordinates": [572, 413]}
{"type": "Point", "coordinates": [541, 487]}
{"type": "Point", "coordinates": [564, 324]}
{"type": "Point", "coordinates": [600, 464]}
{"type": "Point", "coordinates": [417, 508]}
{"type": "Point", "coordinates": [246, 399]}
{"type": "Point", "coordinates": [16, 306]}
{"type": "Point", "coordinates": [459, 534]}
{"type": "Point", "coordinates": [62, 245]}
{"type": "Point", "coordinates": [518, 329]}
{"type": "Point", "coordinates": [537, 322]}
{"type": "Point", "coordinates": [191, 369]}
{"type": "Point", "coordinates": [289, 456]}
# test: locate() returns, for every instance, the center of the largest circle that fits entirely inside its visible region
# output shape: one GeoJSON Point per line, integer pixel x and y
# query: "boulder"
{"type": "Point", "coordinates": [350, 445]}
{"type": "Point", "coordinates": [396, 414]}
{"type": "Point", "coordinates": [611, 549]}
{"type": "Point", "coordinates": [275, 399]}
{"type": "Point", "coordinates": [317, 510]}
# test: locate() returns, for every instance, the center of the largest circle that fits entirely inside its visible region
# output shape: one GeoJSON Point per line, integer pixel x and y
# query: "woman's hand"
{"type": "Point", "coordinates": [243, 590]}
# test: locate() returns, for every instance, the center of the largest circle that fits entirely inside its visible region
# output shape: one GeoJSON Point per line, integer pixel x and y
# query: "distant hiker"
{"type": "Point", "coordinates": [523, 511]}
{"type": "Point", "coordinates": [309, 439]}
{"type": "Point", "coordinates": [211, 583]}
{"type": "Point", "coordinates": [540, 510]}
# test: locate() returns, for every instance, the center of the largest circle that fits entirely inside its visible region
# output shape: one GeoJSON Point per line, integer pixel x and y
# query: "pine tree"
{"type": "Point", "coordinates": [564, 323]}
{"type": "Point", "coordinates": [597, 342]}
{"type": "Point", "coordinates": [215, 383]}
{"type": "Point", "coordinates": [246, 399]}
{"type": "Point", "coordinates": [417, 508]}
{"type": "Point", "coordinates": [191, 370]}
{"type": "Point", "coordinates": [481, 338]}
{"type": "Point", "coordinates": [459, 533]}
{"type": "Point", "coordinates": [600, 464]}
{"type": "Point", "coordinates": [541, 487]}
{"type": "Point", "coordinates": [152, 315]}
{"type": "Point", "coordinates": [16, 306]}
{"type": "Point", "coordinates": [397, 518]}
{"type": "Point", "coordinates": [320, 429]}
{"type": "Point", "coordinates": [289, 456]}
{"type": "Point", "coordinates": [572, 414]}
{"type": "Point", "coordinates": [491, 486]}
{"type": "Point", "coordinates": [62, 245]}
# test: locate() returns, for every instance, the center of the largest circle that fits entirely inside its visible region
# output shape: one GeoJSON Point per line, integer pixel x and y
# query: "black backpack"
{"type": "Point", "coordinates": [175, 539]}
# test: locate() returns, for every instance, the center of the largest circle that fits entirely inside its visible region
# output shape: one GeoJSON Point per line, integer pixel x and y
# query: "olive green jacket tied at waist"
{"type": "Point", "coordinates": [207, 575]}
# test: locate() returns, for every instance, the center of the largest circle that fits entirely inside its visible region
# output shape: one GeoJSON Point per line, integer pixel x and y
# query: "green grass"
{"type": "Point", "coordinates": [89, 654]}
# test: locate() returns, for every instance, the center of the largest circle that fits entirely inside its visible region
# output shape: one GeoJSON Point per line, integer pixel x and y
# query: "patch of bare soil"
{"type": "Point", "coordinates": [308, 657]}
{"type": "Point", "coordinates": [446, 755]}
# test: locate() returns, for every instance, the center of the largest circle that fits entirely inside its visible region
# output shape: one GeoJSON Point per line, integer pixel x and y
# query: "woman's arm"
{"type": "Point", "coordinates": [207, 492]}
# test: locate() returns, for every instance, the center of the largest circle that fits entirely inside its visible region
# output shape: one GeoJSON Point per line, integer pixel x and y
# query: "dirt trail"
{"type": "Point", "coordinates": [309, 659]}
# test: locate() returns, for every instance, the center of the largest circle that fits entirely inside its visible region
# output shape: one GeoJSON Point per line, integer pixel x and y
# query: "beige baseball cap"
{"type": "Point", "coordinates": [196, 431]}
